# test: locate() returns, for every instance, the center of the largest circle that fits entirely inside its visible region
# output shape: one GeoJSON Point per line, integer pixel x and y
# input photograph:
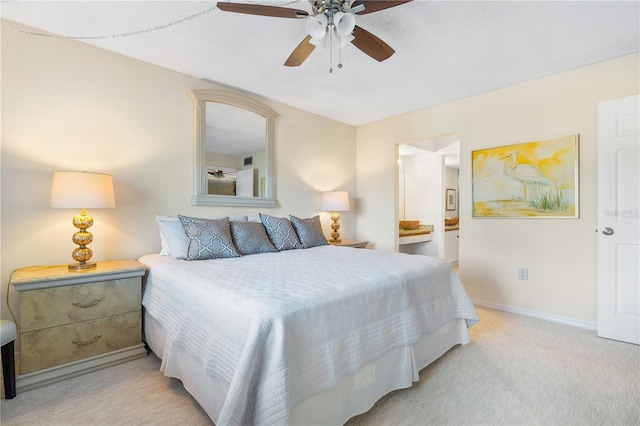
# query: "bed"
{"type": "Point", "coordinates": [301, 336]}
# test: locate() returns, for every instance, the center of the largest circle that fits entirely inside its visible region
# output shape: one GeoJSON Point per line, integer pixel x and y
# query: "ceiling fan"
{"type": "Point", "coordinates": [331, 22]}
{"type": "Point", "coordinates": [219, 174]}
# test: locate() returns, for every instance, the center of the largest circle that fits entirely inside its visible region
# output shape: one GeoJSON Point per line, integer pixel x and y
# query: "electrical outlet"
{"type": "Point", "coordinates": [523, 274]}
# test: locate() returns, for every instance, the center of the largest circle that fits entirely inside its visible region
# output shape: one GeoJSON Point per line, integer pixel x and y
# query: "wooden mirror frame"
{"type": "Point", "coordinates": [201, 197]}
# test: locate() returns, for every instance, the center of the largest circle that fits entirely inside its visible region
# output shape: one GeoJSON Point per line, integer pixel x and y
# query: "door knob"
{"type": "Point", "coordinates": [607, 231]}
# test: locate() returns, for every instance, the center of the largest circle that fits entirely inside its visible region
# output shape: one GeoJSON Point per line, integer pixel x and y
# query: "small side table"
{"type": "Point", "coordinates": [73, 322]}
{"type": "Point", "coordinates": [351, 243]}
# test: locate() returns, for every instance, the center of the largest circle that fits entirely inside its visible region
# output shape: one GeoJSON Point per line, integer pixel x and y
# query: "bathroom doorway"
{"type": "Point", "coordinates": [428, 193]}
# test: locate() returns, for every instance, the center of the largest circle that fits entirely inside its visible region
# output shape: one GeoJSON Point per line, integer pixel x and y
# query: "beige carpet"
{"type": "Point", "coordinates": [517, 371]}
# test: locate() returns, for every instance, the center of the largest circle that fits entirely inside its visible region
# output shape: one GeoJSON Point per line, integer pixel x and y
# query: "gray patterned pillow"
{"type": "Point", "coordinates": [280, 232]}
{"type": "Point", "coordinates": [208, 238]}
{"type": "Point", "coordinates": [309, 231]}
{"type": "Point", "coordinates": [251, 238]}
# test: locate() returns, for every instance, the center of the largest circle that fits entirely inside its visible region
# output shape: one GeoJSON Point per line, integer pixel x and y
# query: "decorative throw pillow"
{"type": "Point", "coordinates": [309, 231]}
{"type": "Point", "coordinates": [209, 238]}
{"type": "Point", "coordinates": [251, 238]}
{"type": "Point", "coordinates": [280, 232]}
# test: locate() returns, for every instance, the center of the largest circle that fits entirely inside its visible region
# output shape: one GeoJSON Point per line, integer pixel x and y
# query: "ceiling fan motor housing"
{"type": "Point", "coordinates": [333, 6]}
{"type": "Point", "coordinates": [330, 16]}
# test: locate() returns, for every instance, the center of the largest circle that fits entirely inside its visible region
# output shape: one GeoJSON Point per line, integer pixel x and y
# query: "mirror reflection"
{"type": "Point", "coordinates": [234, 150]}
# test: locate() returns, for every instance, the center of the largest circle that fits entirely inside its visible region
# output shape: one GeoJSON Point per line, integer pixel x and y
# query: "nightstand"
{"type": "Point", "coordinates": [351, 243]}
{"type": "Point", "coordinates": [74, 322]}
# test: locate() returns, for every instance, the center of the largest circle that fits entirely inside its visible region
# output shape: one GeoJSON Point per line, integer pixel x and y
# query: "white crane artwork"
{"type": "Point", "coordinates": [524, 172]}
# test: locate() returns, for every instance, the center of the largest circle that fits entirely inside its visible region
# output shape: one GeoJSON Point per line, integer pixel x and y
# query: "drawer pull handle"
{"type": "Point", "coordinates": [94, 302]}
{"type": "Point", "coordinates": [88, 342]}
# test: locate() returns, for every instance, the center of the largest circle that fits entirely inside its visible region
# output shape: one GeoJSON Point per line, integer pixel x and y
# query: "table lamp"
{"type": "Point", "coordinates": [335, 201]}
{"type": "Point", "coordinates": [82, 190]}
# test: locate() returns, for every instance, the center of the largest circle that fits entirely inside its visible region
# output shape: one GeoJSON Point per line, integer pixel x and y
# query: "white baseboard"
{"type": "Point", "coordinates": [535, 314]}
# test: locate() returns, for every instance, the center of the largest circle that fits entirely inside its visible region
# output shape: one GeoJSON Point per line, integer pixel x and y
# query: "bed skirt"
{"type": "Point", "coordinates": [353, 395]}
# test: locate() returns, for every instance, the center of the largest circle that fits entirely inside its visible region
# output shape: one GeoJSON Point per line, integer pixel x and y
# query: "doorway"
{"type": "Point", "coordinates": [428, 173]}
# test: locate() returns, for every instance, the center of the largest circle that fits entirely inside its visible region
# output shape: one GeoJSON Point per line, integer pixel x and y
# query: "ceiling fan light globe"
{"type": "Point", "coordinates": [344, 23]}
{"type": "Point", "coordinates": [346, 39]}
{"type": "Point", "coordinates": [322, 43]}
{"type": "Point", "coordinates": [317, 26]}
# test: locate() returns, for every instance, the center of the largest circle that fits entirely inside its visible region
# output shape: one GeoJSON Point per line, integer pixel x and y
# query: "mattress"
{"type": "Point", "coordinates": [274, 331]}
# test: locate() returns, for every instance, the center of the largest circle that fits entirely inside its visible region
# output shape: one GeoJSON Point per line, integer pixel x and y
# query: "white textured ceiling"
{"type": "Point", "coordinates": [445, 50]}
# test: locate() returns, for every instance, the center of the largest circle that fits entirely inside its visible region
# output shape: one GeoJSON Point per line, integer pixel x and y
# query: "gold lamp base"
{"type": "Point", "coordinates": [83, 237]}
{"type": "Point", "coordinates": [335, 235]}
{"type": "Point", "coordinates": [81, 266]}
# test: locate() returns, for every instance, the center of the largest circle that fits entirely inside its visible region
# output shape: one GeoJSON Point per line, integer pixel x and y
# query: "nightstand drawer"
{"type": "Point", "coordinates": [53, 346]}
{"type": "Point", "coordinates": [55, 306]}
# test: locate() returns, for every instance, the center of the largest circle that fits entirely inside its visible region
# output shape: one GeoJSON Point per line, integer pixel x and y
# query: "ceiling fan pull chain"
{"type": "Point", "coordinates": [330, 50]}
{"type": "Point", "coordinates": [339, 51]}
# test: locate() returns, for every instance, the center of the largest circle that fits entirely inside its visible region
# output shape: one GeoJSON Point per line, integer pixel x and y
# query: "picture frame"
{"type": "Point", "coordinates": [535, 179]}
{"type": "Point", "coordinates": [451, 199]}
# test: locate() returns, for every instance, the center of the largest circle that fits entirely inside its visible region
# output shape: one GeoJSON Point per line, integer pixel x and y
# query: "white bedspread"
{"type": "Point", "coordinates": [281, 327]}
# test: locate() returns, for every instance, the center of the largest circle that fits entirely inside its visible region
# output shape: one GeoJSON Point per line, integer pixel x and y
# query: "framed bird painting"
{"type": "Point", "coordinates": [533, 179]}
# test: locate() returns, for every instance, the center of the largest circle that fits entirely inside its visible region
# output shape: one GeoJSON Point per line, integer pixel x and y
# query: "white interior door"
{"type": "Point", "coordinates": [618, 218]}
{"type": "Point", "coordinates": [244, 183]}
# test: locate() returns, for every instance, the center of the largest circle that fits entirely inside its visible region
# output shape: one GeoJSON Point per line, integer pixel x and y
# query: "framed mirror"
{"type": "Point", "coordinates": [234, 150]}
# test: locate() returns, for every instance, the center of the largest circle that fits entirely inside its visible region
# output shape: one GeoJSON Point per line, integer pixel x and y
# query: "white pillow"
{"type": "Point", "coordinates": [235, 218]}
{"type": "Point", "coordinates": [174, 241]}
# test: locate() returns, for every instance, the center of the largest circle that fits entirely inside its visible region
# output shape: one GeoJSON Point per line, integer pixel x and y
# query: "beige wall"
{"type": "Point", "coordinates": [69, 106]}
{"type": "Point", "coordinates": [560, 253]}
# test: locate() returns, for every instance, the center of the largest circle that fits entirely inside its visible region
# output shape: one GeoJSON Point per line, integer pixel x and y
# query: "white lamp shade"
{"type": "Point", "coordinates": [317, 26]}
{"type": "Point", "coordinates": [82, 190]}
{"type": "Point", "coordinates": [344, 23]}
{"type": "Point", "coordinates": [335, 201]}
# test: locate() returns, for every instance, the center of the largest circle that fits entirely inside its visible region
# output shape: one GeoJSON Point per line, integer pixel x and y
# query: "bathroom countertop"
{"type": "Point", "coordinates": [408, 232]}
{"type": "Point", "coordinates": [451, 228]}
{"type": "Point", "coordinates": [421, 230]}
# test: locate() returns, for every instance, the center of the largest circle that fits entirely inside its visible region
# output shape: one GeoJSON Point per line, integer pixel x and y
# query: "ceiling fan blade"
{"type": "Point", "coordinates": [258, 9]}
{"type": "Point", "coordinates": [371, 45]}
{"type": "Point", "coordinates": [300, 53]}
{"type": "Point", "coordinates": [371, 6]}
